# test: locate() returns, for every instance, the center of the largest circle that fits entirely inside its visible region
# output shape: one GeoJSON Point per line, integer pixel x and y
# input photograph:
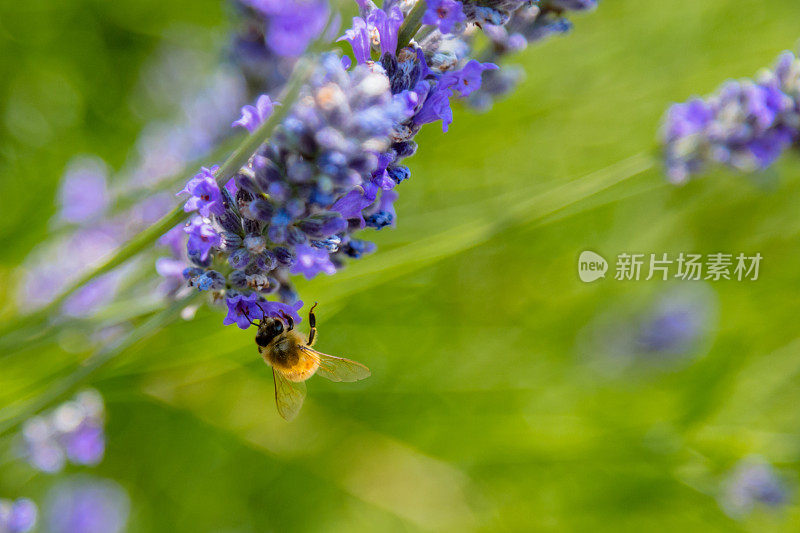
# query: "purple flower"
{"type": "Point", "coordinates": [468, 79]}
{"type": "Point", "coordinates": [202, 238]}
{"type": "Point", "coordinates": [205, 194]}
{"type": "Point", "coordinates": [444, 14]}
{"type": "Point", "coordinates": [387, 26]}
{"type": "Point", "coordinates": [278, 309]}
{"type": "Point", "coordinates": [241, 310]}
{"type": "Point", "coordinates": [377, 23]}
{"type": "Point", "coordinates": [358, 37]}
{"type": "Point", "coordinates": [83, 195]}
{"type": "Point", "coordinates": [231, 186]}
{"type": "Point", "coordinates": [254, 116]}
{"type": "Point", "coordinates": [82, 504]}
{"type": "Point", "coordinates": [311, 261]}
{"type": "Point", "coordinates": [689, 118]}
{"type": "Point", "coordinates": [437, 104]}
{"type": "Point", "coordinates": [86, 445]}
{"type": "Point", "coordinates": [17, 516]}
{"type": "Point", "coordinates": [291, 24]}
{"type": "Point", "coordinates": [767, 148]}
{"type": "Point", "coordinates": [351, 205]}
{"type": "Point", "coordinates": [244, 308]}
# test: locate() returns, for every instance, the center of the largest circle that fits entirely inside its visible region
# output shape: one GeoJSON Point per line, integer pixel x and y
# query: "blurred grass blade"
{"type": "Point", "coordinates": [394, 263]}
{"type": "Point", "coordinates": [13, 415]}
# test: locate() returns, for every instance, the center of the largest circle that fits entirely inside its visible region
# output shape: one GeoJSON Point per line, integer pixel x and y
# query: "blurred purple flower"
{"type": "Point", "coordinates": [17, 516]}
{"type": "Point", "coordinates": [81, 504]}
{"type": "Point", "coordinates": [83, 195]}
{"type": "Point", "coordinates": [93, 295]}
{"type": "Point", "coordinates": [752, 483]}
{"type": "Point", "coordinates": [86, 445]}
{"type": "Point", "coordinates": [352, 204]}
{"type": "Point", "coordinates": [72, 431]}
{"type": "Point", "coordinates": [291, 24]}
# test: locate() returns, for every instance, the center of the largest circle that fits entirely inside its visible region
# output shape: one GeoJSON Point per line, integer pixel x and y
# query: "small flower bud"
{"type": "Point", "coordinates": [255, 243]}
{"type": "Point", "coordinates": [240, 258]}
{"type": "Point", "coordinates": [261, 209]}
{"type": "Point", "coordinates": [210, 280]}
{"type": "Point", "coordinates": [379, 220]}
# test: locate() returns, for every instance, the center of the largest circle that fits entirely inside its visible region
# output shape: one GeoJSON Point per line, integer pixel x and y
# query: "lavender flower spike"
{"type": "Point", "coordinates": [332, 166]}
{"type": "Point", "coordinates": [745, 125]}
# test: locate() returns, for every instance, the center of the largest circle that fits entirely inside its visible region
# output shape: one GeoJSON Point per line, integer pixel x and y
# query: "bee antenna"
{"type": "Point", "coordinates": [263, 313]}
{"type": "Point", "coordinates": [248, 317]}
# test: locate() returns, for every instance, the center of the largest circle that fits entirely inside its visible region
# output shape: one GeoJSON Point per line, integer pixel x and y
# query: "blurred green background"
{"type": "Point", "coordinates": [490, 407]}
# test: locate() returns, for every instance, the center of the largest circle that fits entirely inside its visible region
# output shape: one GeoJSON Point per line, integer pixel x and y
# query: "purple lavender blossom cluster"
{"type": "Point", "coordinates": [73, 432]}
{"type": "Point", "coordinates": [332, 166]}
{"type": "Point", "coordinates": [746, 124]}
{"type": "Point", "coordinates": [17, 516]}
{"type": "Point", "coordinates": [326, 172]}
{"type": "Point", "coordinates": [329, 171]}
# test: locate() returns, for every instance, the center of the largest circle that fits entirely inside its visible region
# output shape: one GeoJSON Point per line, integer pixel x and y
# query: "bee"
{"type": "Point", "coordinates": [293, 360]}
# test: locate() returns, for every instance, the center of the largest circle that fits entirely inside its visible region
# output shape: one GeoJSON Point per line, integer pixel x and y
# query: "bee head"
{"type": "Point", "coordinates": [268, 329]}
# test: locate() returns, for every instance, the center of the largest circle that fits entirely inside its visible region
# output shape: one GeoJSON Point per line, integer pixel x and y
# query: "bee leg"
{"type": "Point", "coordinates": [312, 321]}
{"type": "Point", "coordinates": [289, 320]}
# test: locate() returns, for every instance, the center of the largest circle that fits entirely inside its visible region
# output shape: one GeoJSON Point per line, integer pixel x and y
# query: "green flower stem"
{"type": "Point", "coordinates": [411, 24]}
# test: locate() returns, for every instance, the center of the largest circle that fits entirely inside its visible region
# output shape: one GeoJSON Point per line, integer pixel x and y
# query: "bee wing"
{"type": "Point", "coordinates": [337, 368]}
{"type": "Point", "coordinates": [289, 395]}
